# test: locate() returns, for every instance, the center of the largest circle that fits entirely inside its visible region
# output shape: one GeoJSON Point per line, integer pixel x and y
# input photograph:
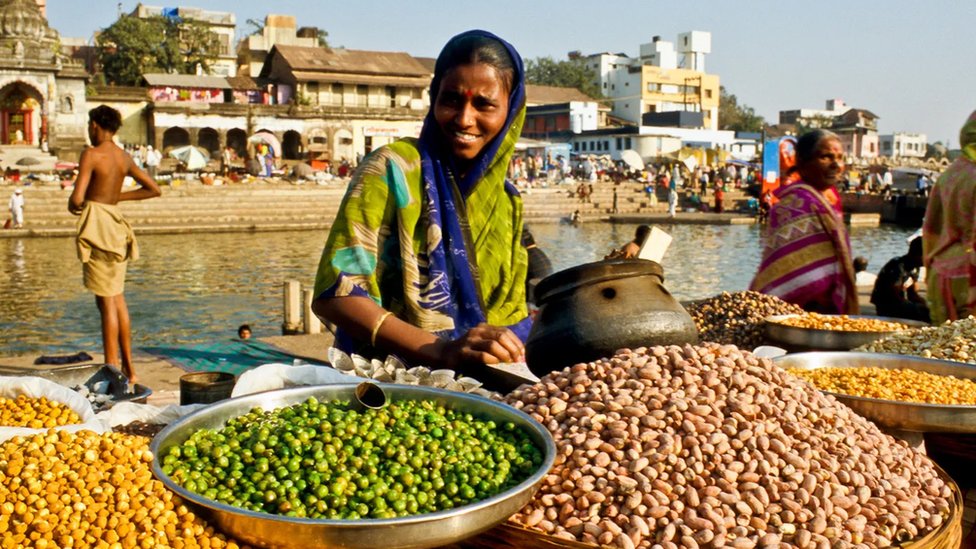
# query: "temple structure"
{"type": "Point", "coordinates": [42, 92]}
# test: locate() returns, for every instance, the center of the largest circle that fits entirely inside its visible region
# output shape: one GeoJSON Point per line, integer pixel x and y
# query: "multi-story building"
{"type": "Point", "coordinates": [662, 79]}
{"type": "Point", "coordinates": [903, 145]}
{"type": "Point", "coordinates": [278, 30]}
{"type": "Point", "coordinates": [222, 23]}
{"type": "Point", "coordinates": [814, 118]}
{"type": "Point", "coordinates": [554, 112]}
{"type": "Point", "coordinates": [858, 132]}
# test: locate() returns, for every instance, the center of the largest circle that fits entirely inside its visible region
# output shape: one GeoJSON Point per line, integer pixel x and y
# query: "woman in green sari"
{"type": "Point", "coordinates": [424, 260]}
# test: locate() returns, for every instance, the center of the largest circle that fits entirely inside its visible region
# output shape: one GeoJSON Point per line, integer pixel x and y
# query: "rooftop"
{"type": "Point", "coordinates": [304, 59]}
{"type": "Point", "coordinates": [546, 95]}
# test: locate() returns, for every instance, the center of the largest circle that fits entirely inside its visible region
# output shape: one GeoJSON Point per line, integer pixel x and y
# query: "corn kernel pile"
{"type": "Point", "coordinates": [35, 413]}
{"type": "Point", "coordinates": [842, 323]}
{"type": "Point", "coordinates": [902, 384]}
{"type": "Point", "coordinates": [950, 341]}
{"type": "Point", "coordinates": [61, 489]}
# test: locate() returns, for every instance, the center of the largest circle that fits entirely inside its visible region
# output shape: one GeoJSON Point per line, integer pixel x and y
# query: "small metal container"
{"type": "Point", "coordinates": [417, 531]}
{"type": "Point", "coordinates": [893, 414]}
{"type": "Point", "coordinates": [798, 339]}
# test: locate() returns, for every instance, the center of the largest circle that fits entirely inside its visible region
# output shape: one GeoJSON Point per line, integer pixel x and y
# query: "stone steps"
{"type": "Point", "coordinates": [280, 206]}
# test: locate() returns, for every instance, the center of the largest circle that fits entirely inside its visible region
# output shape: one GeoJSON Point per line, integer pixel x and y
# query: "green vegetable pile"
{"type": "Point", "coordinates": [324, 460]}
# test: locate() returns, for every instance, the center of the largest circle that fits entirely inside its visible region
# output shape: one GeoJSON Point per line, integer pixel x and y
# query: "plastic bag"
{"type": "Point", "coordinates": [36, 387]}
{"type": "Point", "coordinates": [125, 413]}
{"type": "Point", "coordinates": [279, 376]}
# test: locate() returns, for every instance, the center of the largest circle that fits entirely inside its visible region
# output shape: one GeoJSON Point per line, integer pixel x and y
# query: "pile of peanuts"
{"type": "Point", "coordinates": [61, 489]}
{"type": "Point", "coordinates": [708, 446]}
{"type": "Point", "coordinates": [35, 413]}
{"type": "Point", "coordinates": [737, 318]}
{"type": "Point", "coordinates": [902, 384]}
{"type": "Point", "coordinates": [842, 323]}
{"type": "Point", "coordinates": [950, 341]}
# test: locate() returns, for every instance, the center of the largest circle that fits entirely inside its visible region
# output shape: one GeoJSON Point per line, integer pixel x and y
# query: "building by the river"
{"type": "Point", "coordinates": [42, 92]}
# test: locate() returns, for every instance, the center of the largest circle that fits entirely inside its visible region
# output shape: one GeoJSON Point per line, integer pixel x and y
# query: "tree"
{"type": "Point", "coordinates": [571, 73]}
{"type": "Point", "coordinates": [735, 117]}
{"type": "Point", "coordinates": [134, 46]}
{"type": "Point", "coordinates": [323, 38]}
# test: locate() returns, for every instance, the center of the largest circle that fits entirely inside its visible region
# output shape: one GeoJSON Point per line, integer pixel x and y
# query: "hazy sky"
{"type": "Point", "coordinates": [912, 63]}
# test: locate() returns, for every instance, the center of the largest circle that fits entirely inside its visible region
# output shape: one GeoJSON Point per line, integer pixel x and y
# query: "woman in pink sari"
{"type": "Point", "coordinates": [949, 233]}
{"type": "Point", "coordinates": [806, 256]}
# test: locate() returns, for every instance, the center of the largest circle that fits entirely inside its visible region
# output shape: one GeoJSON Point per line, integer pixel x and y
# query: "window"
{"type": "Point", "coordinates": [606, 145]}
{"type": "Point", "coordinates": [583, 146]}
{"type": "Point", "coordinates": [576, 147]}
{"type": "Point", "coordinates": [619, 143]}
{"type": "Point", "coordinates": [708, 93]}
{"type": "Point", "coordinates": [613, 86]}
{"type": "Point", "coordinates": [604, 85]}
{"type": "Point", "coordinates": [627, 143]}
{"type": "Point", "coordinates": [653, 87]}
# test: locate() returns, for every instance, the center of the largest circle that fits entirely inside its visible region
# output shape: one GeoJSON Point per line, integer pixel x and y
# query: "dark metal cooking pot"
{"type": "Point", "coordinates": [592, 310]}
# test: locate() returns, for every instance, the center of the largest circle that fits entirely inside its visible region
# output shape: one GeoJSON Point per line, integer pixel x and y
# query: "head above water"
{"type": "Point", "coordinates": [820, 158]}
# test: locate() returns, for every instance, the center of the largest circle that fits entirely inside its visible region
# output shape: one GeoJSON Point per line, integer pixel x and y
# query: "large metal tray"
{"type": "Point", "coordinates": [806, 339]}
{"type": "Point", "coordinates": [427, 530]}
{"type": "Point", "coordinates": [892, 414]}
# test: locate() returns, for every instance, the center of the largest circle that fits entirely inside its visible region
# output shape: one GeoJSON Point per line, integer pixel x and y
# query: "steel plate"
{"type": "Point", "coordinates": [807, 339]}
{"type": "Point", "coordinates": [893, 414]}
{"type": "Point", "coordinates": [426, 530]}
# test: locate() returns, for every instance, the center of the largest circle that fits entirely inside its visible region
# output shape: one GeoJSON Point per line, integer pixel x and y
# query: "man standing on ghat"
{"type": "Point", "coordinates": [105, 239]}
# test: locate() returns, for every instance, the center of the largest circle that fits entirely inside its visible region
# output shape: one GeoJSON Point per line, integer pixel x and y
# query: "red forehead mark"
{"type": "Point", "coordinates": [468, 93]}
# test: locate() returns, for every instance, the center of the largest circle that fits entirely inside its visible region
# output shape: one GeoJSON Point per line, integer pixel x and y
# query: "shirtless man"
{"type": "Point", "coordinates": [105, 240]}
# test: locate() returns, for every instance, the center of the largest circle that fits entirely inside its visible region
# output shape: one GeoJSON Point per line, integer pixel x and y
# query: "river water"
{"type": "Point", "coordinates": [196, 288]}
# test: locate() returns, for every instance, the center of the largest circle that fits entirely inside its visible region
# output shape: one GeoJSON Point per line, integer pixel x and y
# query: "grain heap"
{"type": "Point", "coordinates": [61, 489]}
{"type": "Point", "coordinates": [35, 413]}
{"type": "Point", "coordinates": [950, 341]}
{"type": "Point", "coordinates": [709, 445]}
{"type": "Point", "coordinates": [842, 323]}
{"type": "Point", "coordinates": [737, 318]}
{"type": "Point", "coordinates": [902, 384]}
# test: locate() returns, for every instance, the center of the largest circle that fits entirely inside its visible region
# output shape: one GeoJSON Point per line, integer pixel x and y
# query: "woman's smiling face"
{"type": "Point", "coordinates": [471, 108]}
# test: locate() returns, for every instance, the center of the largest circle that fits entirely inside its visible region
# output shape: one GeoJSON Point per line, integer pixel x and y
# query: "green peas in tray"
{"type": "Point", "coordinates": [327, 460]}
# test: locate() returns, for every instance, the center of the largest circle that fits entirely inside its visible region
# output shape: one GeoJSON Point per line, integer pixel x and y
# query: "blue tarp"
{"type": "Point", "coordinates": [233, 356]}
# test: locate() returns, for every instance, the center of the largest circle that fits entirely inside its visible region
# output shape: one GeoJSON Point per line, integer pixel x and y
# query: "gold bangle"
{"type": "Point", "coordinates": [376, 327]}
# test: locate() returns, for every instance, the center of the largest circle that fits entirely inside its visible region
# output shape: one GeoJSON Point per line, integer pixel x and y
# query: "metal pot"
{"type": "Point", "coordinates": [592, 310]}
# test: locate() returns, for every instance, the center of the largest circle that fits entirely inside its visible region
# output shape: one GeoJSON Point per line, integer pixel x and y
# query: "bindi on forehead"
{"type": "Point", "coordinates": [468, 94]}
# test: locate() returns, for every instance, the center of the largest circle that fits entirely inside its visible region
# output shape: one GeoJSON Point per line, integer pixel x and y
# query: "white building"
{"type": "Point", "coordinates": [903, 145]}
{"type": "Point", "coordinates": [815, 118]}
{"type": "Point", "coordinates": [221, 23]}
{"type": "Point", "coordinates": [664, 78]}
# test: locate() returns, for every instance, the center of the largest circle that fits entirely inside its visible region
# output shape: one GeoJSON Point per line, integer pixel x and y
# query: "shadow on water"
{"type": "Point", "coordinates": [188, 289]}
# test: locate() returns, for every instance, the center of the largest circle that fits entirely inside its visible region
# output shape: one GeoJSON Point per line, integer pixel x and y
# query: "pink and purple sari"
{"type": "Point", "coordinates": [806, 256]}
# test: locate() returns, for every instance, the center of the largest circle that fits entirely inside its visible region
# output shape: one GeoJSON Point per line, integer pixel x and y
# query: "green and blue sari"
{"type": "Point", "coordinates": [441, 252]}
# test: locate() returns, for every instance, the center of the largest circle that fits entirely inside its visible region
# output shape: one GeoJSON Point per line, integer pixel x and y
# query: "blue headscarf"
{"type": "Point", "coordinates": [439, 175]}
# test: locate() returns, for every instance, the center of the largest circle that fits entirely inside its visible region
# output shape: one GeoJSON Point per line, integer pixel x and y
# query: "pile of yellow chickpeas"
{"type": "Point", "coordinates": [841, 323]}
{"type": "Point", "coordinates": [901, 384]}
{"type": "Point", "coordinates": [61, 489]}
{"type": "Point", "coordinates": [35, 413]}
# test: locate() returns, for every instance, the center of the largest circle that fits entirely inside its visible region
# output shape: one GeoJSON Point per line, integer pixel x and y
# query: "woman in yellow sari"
{"type": "Point", "coordinates": [949, 233]}
{"type": "Point", "coordinates": [424, 260]}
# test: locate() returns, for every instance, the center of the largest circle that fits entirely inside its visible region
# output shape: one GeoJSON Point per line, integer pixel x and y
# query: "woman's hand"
{"type": "Point", "coordinates": [484, 344]}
